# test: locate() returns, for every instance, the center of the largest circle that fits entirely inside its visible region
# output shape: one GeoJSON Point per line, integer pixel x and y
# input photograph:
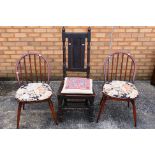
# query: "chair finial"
{"type": "Point", "coordinates": [89, 29]}
{"type": "Point", "coordinates": [63, 29]}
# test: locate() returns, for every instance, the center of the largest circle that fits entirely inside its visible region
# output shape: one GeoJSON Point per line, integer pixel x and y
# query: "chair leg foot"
{"type": "Point", "coordinates": [18, 114]}
{"type": "Point", "coordinates": [102, 105]}
{"type": "Point", "coordinates": [134, 112]}
{"type": "Point", "coordinates": [53, 112]}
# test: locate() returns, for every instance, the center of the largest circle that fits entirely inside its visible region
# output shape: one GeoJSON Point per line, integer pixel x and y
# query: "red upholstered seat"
{"type": "Point", "coordinates": [75, 85]}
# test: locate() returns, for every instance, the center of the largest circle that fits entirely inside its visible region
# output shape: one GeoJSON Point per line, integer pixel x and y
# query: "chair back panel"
{"type": "Point", "coordinates": [76, 54]}
{"type": "Point", "coordinates": [119, 66]}
{"type": "Point", "coordinates": [32, 67]}
{"type": "Point", "coordinates": [76, 51]}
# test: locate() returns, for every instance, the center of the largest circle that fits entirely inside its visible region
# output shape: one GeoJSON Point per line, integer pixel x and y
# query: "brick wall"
{"type": "Point", "coordinates": [14, 41]}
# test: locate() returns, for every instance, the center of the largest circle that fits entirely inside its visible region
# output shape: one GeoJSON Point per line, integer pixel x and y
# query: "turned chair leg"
{"type": "Point", "coordinates": [18, 114]}
{"type": "Point", "coordinates": [91, 109]}
{"type": "Point", "coordinates": [128, 104]}
{"type": "Point", "coordinates": [86, 102]}
{"type": "Point", "coordinates": [134, 112]}
{"type": "Point", "coordinates": [23, 106]}
{"type": "Point", "coordinates": [60, 110]}
{"type": "Point", "coordinates": [102, 105]}
{"type": "Point", "coordinates": [53, 112]}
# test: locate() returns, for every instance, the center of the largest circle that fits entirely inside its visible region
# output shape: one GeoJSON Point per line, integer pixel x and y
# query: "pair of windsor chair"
{"type": "Point", "coordinates": [119, 66]}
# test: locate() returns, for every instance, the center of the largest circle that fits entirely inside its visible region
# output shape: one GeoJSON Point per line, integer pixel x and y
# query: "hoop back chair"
{"type": "Point", "coordinates": [75, 59]}
{"type": "Point", "coordinates": [33, 72]}
{"type": "Point", "coordinates": [119, 75]}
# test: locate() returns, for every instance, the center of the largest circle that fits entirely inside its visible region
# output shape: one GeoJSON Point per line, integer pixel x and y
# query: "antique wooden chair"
{"type": "Point", "coordinates": [153, 77]}
{"type": "Point", "coordinates": [78, 61]}
{"type": "Point", "coordinates": [119, 75]}
{"type": "Point", "coordinates": [33, 72]}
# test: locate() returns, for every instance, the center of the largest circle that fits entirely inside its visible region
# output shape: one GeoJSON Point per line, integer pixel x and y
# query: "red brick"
{"type": "Point", "coordinates": [20, 35]}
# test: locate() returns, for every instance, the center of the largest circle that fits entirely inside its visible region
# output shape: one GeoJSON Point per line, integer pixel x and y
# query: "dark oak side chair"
{"type": "Point", "coordinates": [33, 72]}
{"type": "Point", "coordinates": [153, 77]}
{"type": "Point", "coordinates": [75, 59]}
{"type": "Point", "coordinates": [119, 75]}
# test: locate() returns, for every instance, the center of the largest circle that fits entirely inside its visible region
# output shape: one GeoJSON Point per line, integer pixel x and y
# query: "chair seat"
{"type": "Point", "coordinates": [120, 89]}
{"type": "Point", "coordinates": [75, 85]}
{"type": "Point", "coordinates": [33, 92]}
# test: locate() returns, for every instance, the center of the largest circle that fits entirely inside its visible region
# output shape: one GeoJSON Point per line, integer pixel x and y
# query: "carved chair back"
{"type": "Point", "coordinates": [76, 53]}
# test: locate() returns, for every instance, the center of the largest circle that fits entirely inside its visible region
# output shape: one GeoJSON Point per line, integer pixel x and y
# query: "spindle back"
{"type": "Point", "coordinates": [119, 66]}
{"type": "Point", "coordinates": [32, 67]}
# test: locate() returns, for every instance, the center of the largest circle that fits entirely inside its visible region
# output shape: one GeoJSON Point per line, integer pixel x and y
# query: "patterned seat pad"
{"type": "Point", "coordinates": [76, 85]}
{"type": "Point", "coordinates": [120, 89]}
{"type": "Point", "coordinates": [33, 92]}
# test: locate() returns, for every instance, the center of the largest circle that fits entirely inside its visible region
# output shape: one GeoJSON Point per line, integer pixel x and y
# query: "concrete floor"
{"type": "Point", "coordinates": [116, 115]}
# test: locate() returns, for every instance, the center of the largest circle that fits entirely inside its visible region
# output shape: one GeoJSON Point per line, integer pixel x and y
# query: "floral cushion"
{"type": "Point", "coordinates": [76, 85]}
{"type": "Point", "coordinates": [120, 89]}
{"type": "Point", "coordinates": [33, 92]}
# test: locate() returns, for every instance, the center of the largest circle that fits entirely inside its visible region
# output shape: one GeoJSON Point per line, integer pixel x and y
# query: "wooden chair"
{"type": "Point", "coordinates": [33, 72]}
{"type": "Point", "coordinates": [153, 77]}
{"type": "Point", "coordinates": [119, 75]}
{"type": "Point", "coordinates": [78, 61]}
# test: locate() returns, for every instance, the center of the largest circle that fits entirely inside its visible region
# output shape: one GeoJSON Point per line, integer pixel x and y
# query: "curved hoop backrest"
{"type": "Point", "coordinates": [32, 67]}
{"type": "Point", "coordinates": [119, 66]}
